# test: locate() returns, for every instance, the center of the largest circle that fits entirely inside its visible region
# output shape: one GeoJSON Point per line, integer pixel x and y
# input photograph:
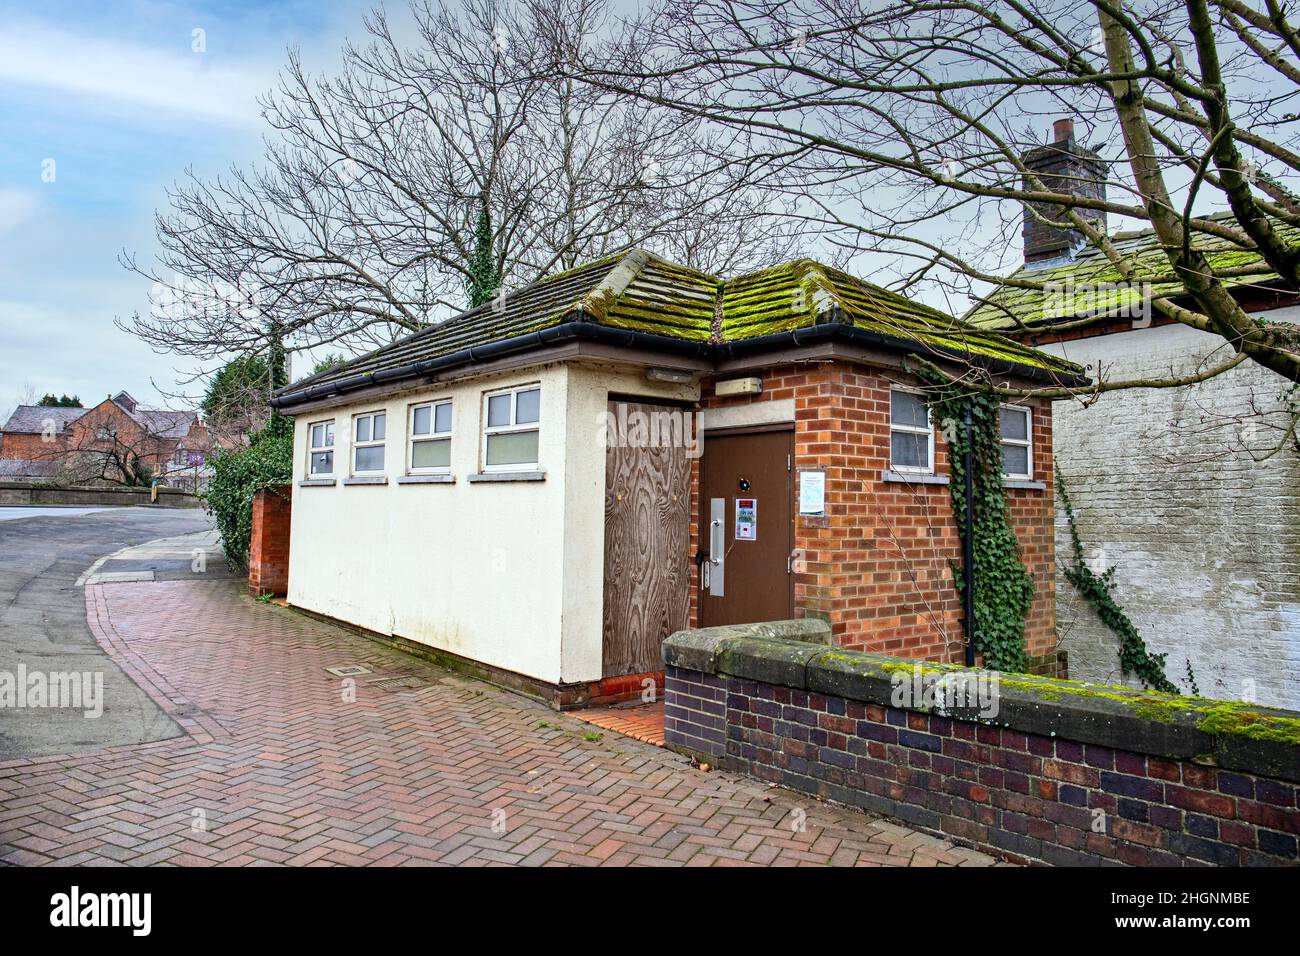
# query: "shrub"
{"type": "Point", "coordinates": [240, 474]}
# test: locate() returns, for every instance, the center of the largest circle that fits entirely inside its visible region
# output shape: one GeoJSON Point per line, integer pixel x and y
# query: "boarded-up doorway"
{"type": "Point", "coordinates": [647, 537]}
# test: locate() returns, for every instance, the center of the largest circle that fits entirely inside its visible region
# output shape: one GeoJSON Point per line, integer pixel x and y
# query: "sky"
{"type": "Point", "coordinates": [103, 105]}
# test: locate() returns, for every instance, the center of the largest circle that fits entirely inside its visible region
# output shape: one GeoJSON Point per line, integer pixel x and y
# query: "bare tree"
{"type": "Point", "coordinates": [903, 126]}
{"type": "Point", "coordinates": [360, 224]}
{"type": "Point", "coordinates": [107, 454]}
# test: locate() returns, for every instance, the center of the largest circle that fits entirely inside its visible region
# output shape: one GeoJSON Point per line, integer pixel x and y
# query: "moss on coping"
{"type": "Point", "coordinates": [1215, 717]}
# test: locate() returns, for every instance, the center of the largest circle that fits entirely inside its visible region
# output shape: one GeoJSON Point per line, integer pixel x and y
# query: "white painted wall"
{"type": "Point", "coordinates": [510, 574]}
{"type": "Point", "coordinates": [1206, 540]}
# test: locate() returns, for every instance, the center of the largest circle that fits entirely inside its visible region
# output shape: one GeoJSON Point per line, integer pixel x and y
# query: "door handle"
{"type": "Point", "coordinates": [717, 546]}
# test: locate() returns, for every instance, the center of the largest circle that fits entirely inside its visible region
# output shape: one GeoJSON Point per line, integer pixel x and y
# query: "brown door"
{"type": "Point", "coordinates": [647, 547]}
{"type": "Point", "coordinates": [746, 486]}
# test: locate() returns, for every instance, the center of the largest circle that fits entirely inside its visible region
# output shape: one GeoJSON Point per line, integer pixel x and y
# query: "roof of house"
{"type": "Point", "coordinates": [636, 299]}
{"type": "Point", "coordinates": [34, 419]}
{"type": "Point", "coordinates": [165, 423]}
{"type": "Point", "coordinates": [1088, 285]}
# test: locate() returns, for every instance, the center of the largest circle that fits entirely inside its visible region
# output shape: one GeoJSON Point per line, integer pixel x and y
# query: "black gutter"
{"type": "Point", "coordinates": [626, 338]}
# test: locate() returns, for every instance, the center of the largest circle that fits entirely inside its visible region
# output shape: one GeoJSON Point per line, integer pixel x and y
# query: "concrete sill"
{"type": "Point", "coordinates": [316, 483]}
{"type": "Point", "coordinates": [367, 480]}
{"type": "Point", "coordinates": [427, 480]}
{"type": "Point", "coordinates": [910, 479]}
{"type": "Point", "coordinates": [507, 476]}
{"type": "Point", "coordinates": [1024, 483]}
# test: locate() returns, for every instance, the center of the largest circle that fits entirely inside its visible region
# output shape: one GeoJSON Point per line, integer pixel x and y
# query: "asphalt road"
{"type": "Point", "coordinates": [43, 623]}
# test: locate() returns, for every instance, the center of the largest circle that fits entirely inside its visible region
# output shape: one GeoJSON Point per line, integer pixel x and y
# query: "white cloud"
{"type": "Point", "coordinates": [17, 206]}
{"type": "Point", "coordinates": [177, 80]}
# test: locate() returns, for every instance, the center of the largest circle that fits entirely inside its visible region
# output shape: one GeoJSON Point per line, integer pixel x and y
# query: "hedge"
{"type": "Point", "coordinates": [237, 476]}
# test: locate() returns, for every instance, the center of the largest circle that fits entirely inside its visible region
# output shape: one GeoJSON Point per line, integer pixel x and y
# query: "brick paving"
{"type": "Point", "coordinates": [284, 763]}
{"type": "Point", "coordinates": [643, 722]}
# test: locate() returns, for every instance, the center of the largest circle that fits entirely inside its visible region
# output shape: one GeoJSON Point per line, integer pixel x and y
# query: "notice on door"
{"type": "Point", "coordinates": [746, 519]}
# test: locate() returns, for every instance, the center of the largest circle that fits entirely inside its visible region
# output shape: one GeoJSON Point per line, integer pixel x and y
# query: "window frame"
{"type": "Point", "coordinates": [434, 435]}
{"type": "Point", "coordinates": [369, 443]}
{"type": "Point", "coordinates": [1026, 443]}
{"type": "Point", "coordinates": [331, 424]}
{"type": "Point", "coordinates": [928, 431]}
{"type": "Point", "coordinates": [513, 428]}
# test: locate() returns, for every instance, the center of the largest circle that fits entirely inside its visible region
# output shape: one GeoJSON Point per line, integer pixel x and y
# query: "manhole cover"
{"type": "Point", "coordinates": [347, 670]}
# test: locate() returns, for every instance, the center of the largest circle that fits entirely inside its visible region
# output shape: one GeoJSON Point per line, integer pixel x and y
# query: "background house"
{"type": "Point", "coordinates": [116, 441]}
{"type": "Point", "coordinates": [545, 487]}
{"type": "Point", "coordinates": [1192, 493]}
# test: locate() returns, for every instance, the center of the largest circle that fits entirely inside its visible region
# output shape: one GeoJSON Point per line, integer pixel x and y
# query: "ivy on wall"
{"type": "Point", "coordinates": [1099, 591]}
{"type": "Point", "coordinates": [239, 474]}
{"type": "Point", "coordinates": [1004, 589]}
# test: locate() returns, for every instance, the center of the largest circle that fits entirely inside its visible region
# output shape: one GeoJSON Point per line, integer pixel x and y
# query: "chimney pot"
{"type": "Point", "coordinates": [1062, 130]}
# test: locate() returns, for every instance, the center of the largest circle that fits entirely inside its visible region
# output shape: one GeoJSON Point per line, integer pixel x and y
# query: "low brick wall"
{"type": "Point", "coordinates": [268, 546]}
{"type": "Point", "coordinates": [1033, 768]}
{"type": "Point", "coordinates": [31, 493]}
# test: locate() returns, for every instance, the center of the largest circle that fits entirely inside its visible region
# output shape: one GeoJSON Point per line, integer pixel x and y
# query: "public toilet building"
{"type": "Point", "coordinates": [543, 488]}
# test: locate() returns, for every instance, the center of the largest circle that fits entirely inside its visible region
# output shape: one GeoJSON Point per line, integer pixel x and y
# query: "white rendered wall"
{"type": "Point", "coordinates": [1205, 539]}
{"type": "Point", "coordinates": [507, 573]}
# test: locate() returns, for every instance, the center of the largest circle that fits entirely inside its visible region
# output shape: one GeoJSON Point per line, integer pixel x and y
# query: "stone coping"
{"type": "Point", "coordinates": [1233, 735]}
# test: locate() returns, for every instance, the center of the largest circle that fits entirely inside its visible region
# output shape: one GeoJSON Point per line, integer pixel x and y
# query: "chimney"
{"type": "Point", "coordinates": [1062, 166]}
{"type": "Point", "coordinates": [124, 400]}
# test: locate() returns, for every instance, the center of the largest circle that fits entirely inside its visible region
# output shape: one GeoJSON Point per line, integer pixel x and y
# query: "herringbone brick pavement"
{"type": "Point", "coordinates": [284, 763]}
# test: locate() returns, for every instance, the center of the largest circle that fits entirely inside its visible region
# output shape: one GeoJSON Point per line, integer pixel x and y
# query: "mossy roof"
{"type": "Point", "coordinates": [1089, 285]}
{"type": "Point", "coordinates": [641, 292]}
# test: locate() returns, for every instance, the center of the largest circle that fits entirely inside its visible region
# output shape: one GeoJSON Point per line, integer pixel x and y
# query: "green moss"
{"type": "Point", "coordinates": [1235, 719]}
{"type": "Point", "coordinates": [1149, 262]}
{"type": "Point", "coordinates": [1216, 717]}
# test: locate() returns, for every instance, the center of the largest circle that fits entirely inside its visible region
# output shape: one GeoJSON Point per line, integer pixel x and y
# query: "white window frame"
{"type": "Point", "coordinates": [434, 435]}
{"type": "Point", "coordinates": [513, 391]}
{"type": "Point", "coordinates": [928, 431]}
{"type": "Point", "coordinates": [314, 449]}
{"type": "Point", "coordinates": [371, 443]}
{"type": "Point", "coordinates": [1027, 442]}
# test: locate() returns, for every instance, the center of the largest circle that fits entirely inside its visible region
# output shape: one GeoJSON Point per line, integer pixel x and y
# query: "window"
{"type": "Point", "coordinates": [1017, 442]}
{"type": "Point", "coordinates": [368, 443]}
{"type": "Point", "coordinates": [911, 436]}
{"type": "Point", "coordinates": [182, 457]}
{"type": "Point", "coordinates": [320, 448]}
{"type": "Point", "coordinates": [510, 433]}
{"type": "Point", "coordinates": [431, 437]}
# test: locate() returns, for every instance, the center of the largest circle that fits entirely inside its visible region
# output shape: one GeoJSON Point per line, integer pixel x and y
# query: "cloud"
{"type": "Point", "coordinates": [17, 206]}
{"type": "Point", "coordinates": [176, 81]}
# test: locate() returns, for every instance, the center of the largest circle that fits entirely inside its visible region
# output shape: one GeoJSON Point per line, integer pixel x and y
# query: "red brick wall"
{"type": "Point", "coordinates": [878, 566]}
{"type": "Point", "coordinates": [1030, 795]}
{"type": "Point", "coordinates": [31, 447]}
{"type": "Point", "coordinates": [268, 552]}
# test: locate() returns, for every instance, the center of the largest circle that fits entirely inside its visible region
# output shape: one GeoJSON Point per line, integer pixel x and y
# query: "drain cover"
{"type": "Point", "coordinates": [396, 683]}
{"type": "Point", "coordinates": [347, 670]}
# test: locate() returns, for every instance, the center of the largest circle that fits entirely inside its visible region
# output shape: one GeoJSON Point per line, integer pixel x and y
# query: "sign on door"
{"type": "Point", "coordinates": [746, 519]}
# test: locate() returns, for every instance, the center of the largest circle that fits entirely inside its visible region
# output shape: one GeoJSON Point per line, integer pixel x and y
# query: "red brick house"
{"type": "Point", "coordinates": [106, 442]}
{"type": "Point", "coordinates": [548, 485]}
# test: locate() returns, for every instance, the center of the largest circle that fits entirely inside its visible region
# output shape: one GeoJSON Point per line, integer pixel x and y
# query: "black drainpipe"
{"type": "Point", "coordinates": [968, 543]}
